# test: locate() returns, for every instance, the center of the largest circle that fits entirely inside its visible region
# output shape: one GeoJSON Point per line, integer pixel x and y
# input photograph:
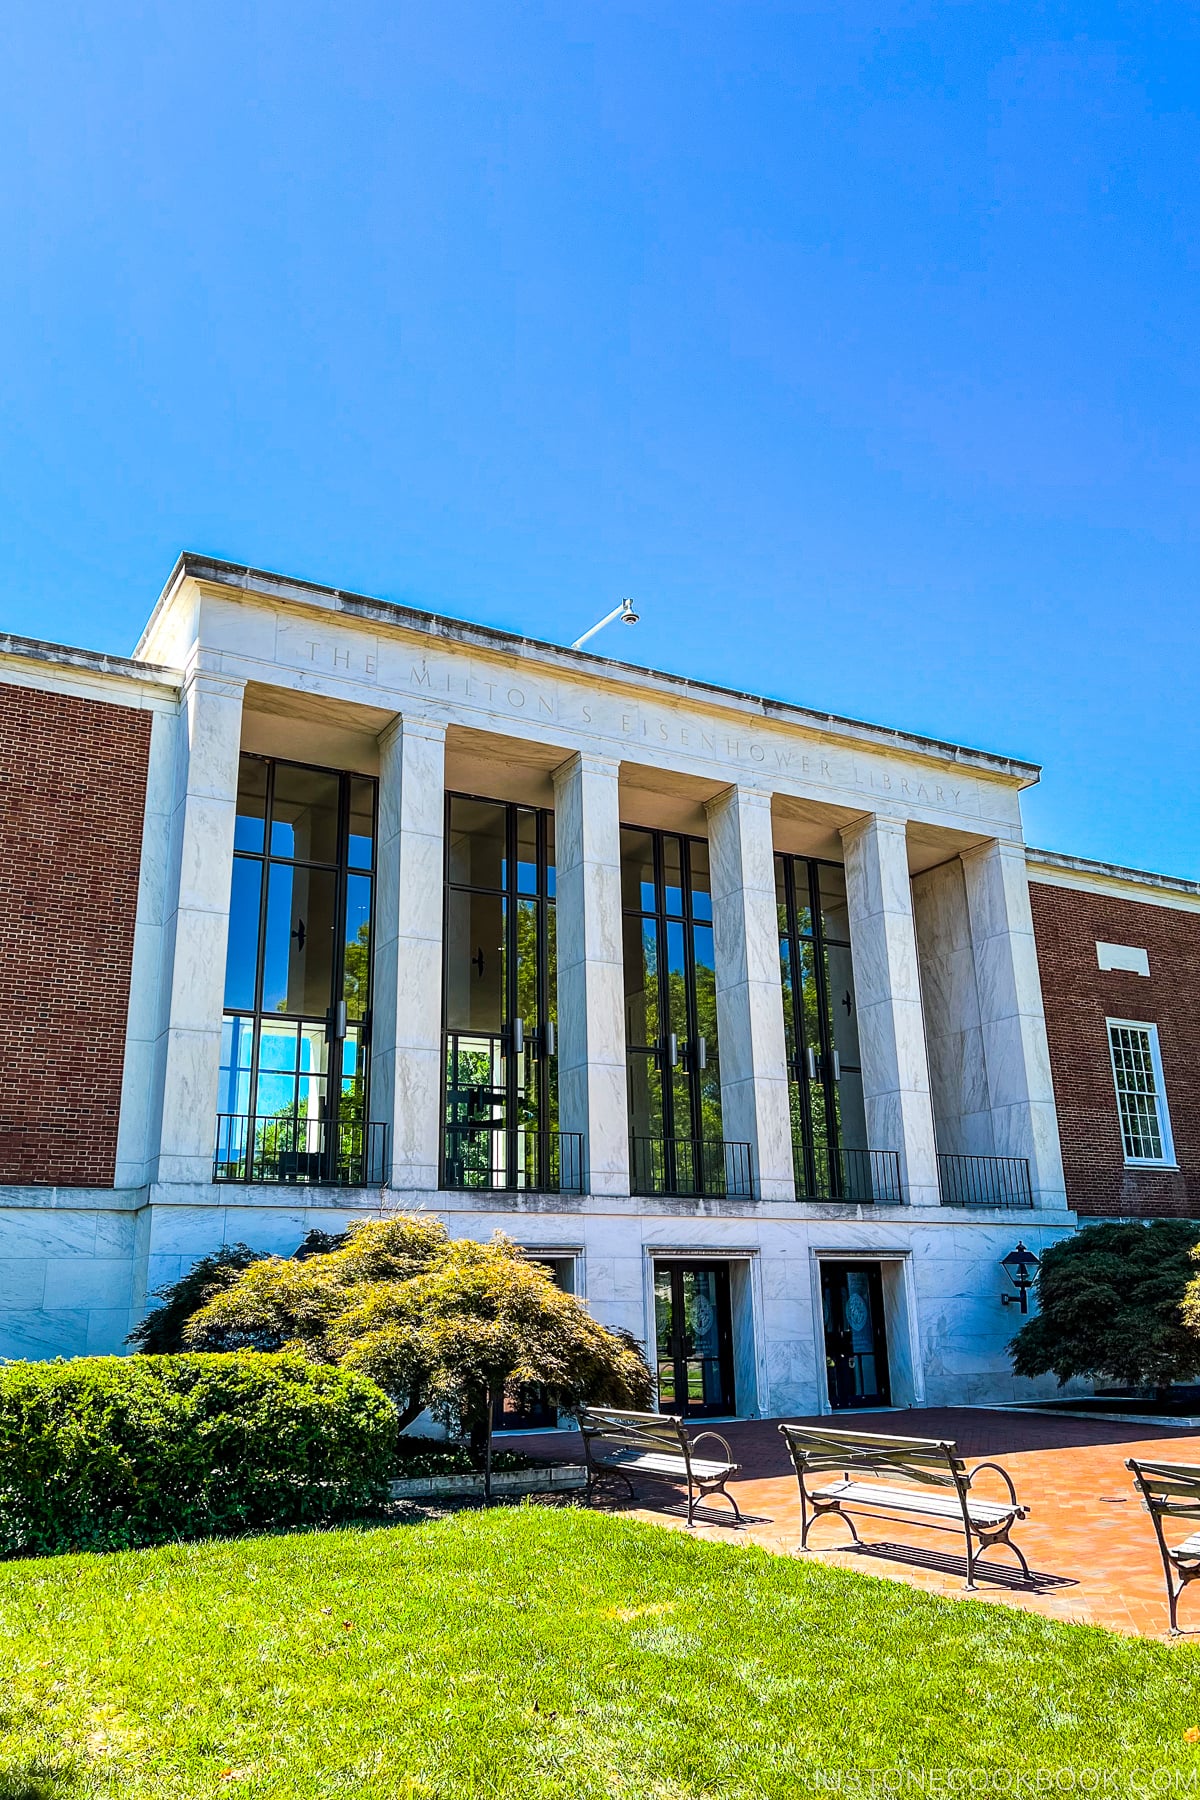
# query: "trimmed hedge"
{"type": "Point", "coordinates": [110, 1452]}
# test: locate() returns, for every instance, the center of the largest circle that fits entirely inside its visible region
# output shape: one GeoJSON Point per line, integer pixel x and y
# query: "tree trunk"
{"type": "Point", "coordinates": [487, 1454]}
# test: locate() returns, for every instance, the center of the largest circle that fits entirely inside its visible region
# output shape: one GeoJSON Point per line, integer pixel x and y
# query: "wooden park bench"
{"type": "Point", "coordinates": [654, 1447]}
{"type": "Point", "coordinates": [936, 1490]}
{"type": "Point", "coordinates": [1172, 1491]}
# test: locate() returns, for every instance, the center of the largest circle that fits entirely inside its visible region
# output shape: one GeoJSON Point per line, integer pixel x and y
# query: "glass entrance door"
{"type": "Point", "coordinates": [855, 1337]}
{"type": "Point", "coordinates": [694, 1331]}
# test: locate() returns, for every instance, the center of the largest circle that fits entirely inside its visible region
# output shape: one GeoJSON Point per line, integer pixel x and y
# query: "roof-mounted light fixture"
{"type": "Point", "coordinates": [624, 611]}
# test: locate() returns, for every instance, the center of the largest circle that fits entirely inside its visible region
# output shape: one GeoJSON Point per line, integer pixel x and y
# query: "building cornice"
{"type": "Point", "coordinates": [1055, 869]}
{"type": "Point", "coordinates": [485, 638]}
{"type": "Point", "coordinates": [72, 661]}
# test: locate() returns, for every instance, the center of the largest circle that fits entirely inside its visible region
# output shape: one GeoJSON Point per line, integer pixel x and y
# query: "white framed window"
{"type": "Point", "coordinates": [1141, 1096]}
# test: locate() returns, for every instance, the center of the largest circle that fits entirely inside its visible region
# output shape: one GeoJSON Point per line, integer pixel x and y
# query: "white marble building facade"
{"type": "Point", "coordinates": [955, 1068]}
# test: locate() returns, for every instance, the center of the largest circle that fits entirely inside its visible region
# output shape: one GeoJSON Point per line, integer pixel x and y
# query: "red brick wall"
{"type": "Point", "coordinates": [72, 793]}
{"type": "Point", "coordinates": [1079, 997]}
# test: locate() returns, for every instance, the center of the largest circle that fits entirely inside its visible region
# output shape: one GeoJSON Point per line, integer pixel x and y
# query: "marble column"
{"type": "Point", "coordinates": [1013, 1022]}
{"type": "Point", "coordinates": [891, 1027]}
{"type": "Point", "coordinates": [196, 925]}
{"type": "Point", "coordinates": [406, 1008]}
{"type": "Point", "coordinates": [592, 1087]}
{"type": "Point", "coordinates": [754, 1079]}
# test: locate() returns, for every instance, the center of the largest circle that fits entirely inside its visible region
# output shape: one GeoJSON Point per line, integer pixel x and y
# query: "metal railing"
{"type": "Point", "coordinates": [856, 1178]}
{"type": "Point", "coordinates": [308, 1152]}
{"type": "Point", "coordinates": [996, 1181]}
{"type": "Point", "coordinates": [495, 1156]}
{"type": "Point", "coordinates": [691, 1166]}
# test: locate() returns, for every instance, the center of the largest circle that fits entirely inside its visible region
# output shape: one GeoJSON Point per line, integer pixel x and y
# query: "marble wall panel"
{"type": "Point", "coordinates": [96, 1281]}
{"type": "Point", "coordinates": [107, 1328]}
{"type": "Point", "coordinates": [46, 1232]}
{"type": "Point", "coordinates": [37, 1335]}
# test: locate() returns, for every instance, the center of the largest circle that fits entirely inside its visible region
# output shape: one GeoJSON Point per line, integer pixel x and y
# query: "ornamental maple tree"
{"type": "Point", "coordinates": [448, 1325]}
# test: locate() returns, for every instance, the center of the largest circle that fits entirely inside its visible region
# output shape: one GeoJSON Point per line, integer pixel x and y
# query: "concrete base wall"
{"type": "Point", "coordinates": [76, 1266]}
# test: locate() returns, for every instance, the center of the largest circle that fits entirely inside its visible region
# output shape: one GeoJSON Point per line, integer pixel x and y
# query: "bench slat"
{"type": "Point", "coordinates": [869, 1493]}
{"type": "Point", "coordinates": [657, 1463]}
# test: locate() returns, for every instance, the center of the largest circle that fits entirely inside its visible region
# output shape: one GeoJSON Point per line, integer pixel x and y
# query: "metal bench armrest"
{"type": "Point", "coordinates": [1004, 1475]}
{"type": "Point", "coordinates": [724, 1443]}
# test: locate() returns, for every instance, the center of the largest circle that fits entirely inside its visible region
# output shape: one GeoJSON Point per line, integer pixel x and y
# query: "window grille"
{"type": "Point", "coordinates": [1141, 1101]}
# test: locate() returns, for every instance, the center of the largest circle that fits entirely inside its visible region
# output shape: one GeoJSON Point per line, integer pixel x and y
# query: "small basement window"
{"type": "Point", "coordinates": [1141, 1096]}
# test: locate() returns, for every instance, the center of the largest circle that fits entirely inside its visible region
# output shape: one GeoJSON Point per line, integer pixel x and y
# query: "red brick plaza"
{"type": "Point", "coordinates": [1088, 1541]}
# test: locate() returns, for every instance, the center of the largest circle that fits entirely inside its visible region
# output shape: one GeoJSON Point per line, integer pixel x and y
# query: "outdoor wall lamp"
{"type": "Point", "coordinates": [1021, 1266]}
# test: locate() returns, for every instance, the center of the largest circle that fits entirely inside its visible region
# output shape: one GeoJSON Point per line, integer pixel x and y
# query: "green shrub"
{"type": "Point", "coordinates": [110, 1452]}
{"type": "Point", "coordinates": [160, 1333]}
{"type": "Point", "coordinates": [1110, 1307]}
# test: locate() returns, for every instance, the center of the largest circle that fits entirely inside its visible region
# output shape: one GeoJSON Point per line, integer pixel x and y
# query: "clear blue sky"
{"type": "Point", "coordinates": [860, 343]}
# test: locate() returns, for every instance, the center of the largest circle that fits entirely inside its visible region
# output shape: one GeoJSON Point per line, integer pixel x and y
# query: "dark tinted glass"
{"type": "Point", "coordinates": [526, 851]}
{"type": "Point", "coordinates": [241, 959]}
{"type": "Point", "coordinates": [676, 980]}
{"type": "Point", "coordinates": [475, 969]}
{"type": "Point", "coordinates": [637, 870]}
{"type": "Point", "coordinates": [237, 1048]}
{"type": "Point", "coordinates": [251, 804]}
{"type": "Point", "coordinates": [641, 983]}
{"type": "Point", "coordinates": [278, 1049]}
{"type": "Point", "coordinates": [839, 977]}
{"type": "Point", "coordinates": [527, 963]}
{"type": "Point", "coordinates": [476, 851]}
{"type": "Point", "coordinates": [304, 814]}
{"type": "Point", "coordinates": [701, 886]}
{"type": "Point", "coordinates": [357, 963]}
{"type": "Point", "coordinates": [835, 915]}
{"type": "Point", "coordinates": [362, 823]}
{"type": "Point", "coordinates": [672, 875]}
{"type": "Point", "coordinates": [298, 953]}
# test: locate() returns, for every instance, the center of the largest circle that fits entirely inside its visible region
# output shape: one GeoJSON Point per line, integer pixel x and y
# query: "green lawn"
{"type": "Point", "coordinates": [535, 1651]}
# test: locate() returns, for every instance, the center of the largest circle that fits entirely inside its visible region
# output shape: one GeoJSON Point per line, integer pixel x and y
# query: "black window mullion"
{"type": "Point", "coordinates": [799, 1036]}
{"type": "Point", "coordinates": [511, 993]}
{"type": "Point", "coordinates": [689, 984]}
{"type": "Point", "coordinates": [256, 1033]}
{"type": "Point", "coordinates": [447, 889]}
{"type": "Point", "coordinates": [663, 979]}
{"type": "Point", "coordinates": [542, 955]}
{"type": "Point", "coordinates": [331, 1089]}
{"type": "Point", "coordinates": [334, 1043]}
{"type": "Point", "coordinates": [826, 1025]}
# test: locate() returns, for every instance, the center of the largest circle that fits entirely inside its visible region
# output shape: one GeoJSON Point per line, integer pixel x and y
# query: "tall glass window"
{"type": "Point", "coordinates": [501, 1001]}
{"type": "Point", "coordinates": [671, 1014]}
{"type": "Point", "coordinates": [829, 1127]}
{"type": "Point", "coordinates": [293, 1093]}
